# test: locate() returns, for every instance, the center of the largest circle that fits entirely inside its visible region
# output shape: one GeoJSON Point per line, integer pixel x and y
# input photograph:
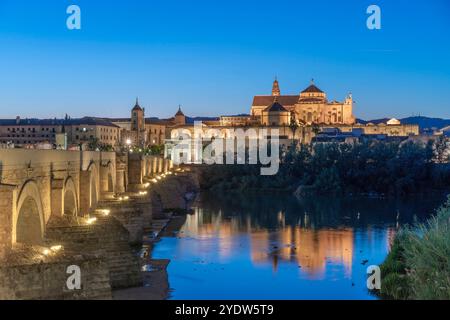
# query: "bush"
{"type": "Point", "coordinates": [427, 254]}
{"type": "Point", "coordinates": [418, 266]}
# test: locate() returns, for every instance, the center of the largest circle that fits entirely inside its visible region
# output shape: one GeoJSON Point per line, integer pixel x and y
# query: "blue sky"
{"type": "Point", "coordinates": [213, 56]}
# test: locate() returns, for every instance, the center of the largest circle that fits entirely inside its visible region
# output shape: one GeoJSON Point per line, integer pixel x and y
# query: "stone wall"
{"type": "Point", "coordinates": [107, 238]}
{"type": "Point", "coordinates": [48, 281]}
{"type": "Point", "coordinates": [173, 189]}
{"type": "Point", "coordinates": [7, 201]}
{"type": "Point", "coordinates": [134, 216]}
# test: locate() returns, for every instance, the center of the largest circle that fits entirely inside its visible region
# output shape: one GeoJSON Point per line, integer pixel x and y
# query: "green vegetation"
{"type": "Point", "coordinates": [94, 144]}
{"type": "Point", "coordinates": [155, 150]}
{"type": "Point", "coordinates": [381, 168]}
{"type": "Point", "coordinates": [418, 266]}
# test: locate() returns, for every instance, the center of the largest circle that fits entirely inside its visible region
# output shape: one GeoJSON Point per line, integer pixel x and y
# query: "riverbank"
{"type": "Point", "coordinates": [418, 266]}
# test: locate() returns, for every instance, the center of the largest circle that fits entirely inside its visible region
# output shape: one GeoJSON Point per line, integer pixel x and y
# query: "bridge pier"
{"type": "Point", "coordinates": [135, 172]}
{"type": "Point", "coordinates": [7, 204]}
{"type": "Point", "coordinates": [154, 165]}
{"type": "Point", "coordinates": [120, 181]}
{"type": "Point", "coordinates": [106, 182]}
{"type": "Point", "coordinates": [57, 205]}
{"type": "Point", "coordinates": [85, 192]}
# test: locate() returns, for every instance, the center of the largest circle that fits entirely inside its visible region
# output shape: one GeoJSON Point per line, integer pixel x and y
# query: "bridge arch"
{"type": "Point", "coordinates": [29, 221]}
{"type": "Point", "coordinates": [70, 198]}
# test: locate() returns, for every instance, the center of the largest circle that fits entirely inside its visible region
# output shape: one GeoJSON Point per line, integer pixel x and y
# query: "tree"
{"type": "Point", "coordinates": [293, 125]}
{"type": "Point", "coordinates": [441, 150]}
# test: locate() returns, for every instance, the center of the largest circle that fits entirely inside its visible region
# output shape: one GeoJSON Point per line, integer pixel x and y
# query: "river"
{"type": "Point", "coordinates": [278, 247]}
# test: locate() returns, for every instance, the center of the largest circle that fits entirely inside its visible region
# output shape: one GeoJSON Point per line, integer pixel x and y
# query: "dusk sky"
{"type": "Point", "coordinates": [213, 56]}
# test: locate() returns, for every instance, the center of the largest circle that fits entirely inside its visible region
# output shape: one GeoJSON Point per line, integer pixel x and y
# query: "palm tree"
{"type": "Point", "coordinates": [293, 125]}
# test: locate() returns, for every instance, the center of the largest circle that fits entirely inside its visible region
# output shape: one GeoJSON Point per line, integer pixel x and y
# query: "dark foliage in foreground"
{"type": "Point", "coordinates": [418, 266]}
{"type": "Point", "coordinates": [392, 168]}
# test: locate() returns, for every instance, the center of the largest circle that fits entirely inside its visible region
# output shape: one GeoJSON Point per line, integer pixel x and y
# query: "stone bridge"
{"type": "Point", "coordinates": [50, 197]}
{"type": "Point", "coordinates": [37, 185]}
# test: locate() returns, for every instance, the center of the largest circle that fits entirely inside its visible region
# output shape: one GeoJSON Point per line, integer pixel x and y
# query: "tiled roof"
{"type": "Point", "coordinates": [158, 121]}
{"type": "Point", "coordinates": [57, 122]}
{"type": "Point", "coordinates": [91, 121]}
{"type": "Point", "coordinates": [31, 122]}
{"type": "Point", "coordinates": [268, 100]}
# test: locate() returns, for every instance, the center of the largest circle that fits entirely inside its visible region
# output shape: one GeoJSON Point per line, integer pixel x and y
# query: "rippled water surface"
{"type": "Point", "coordinates": [279, 247]}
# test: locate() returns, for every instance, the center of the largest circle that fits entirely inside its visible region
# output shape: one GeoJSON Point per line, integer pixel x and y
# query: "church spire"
{"type": "Point", "coordinates": [276, 88]}
{"type": "Point", "coordinates": [137, 106]}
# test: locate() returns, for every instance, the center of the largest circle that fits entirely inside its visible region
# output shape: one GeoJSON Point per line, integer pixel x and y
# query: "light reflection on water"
{"type": "Point", "coordinates": [277, 247]}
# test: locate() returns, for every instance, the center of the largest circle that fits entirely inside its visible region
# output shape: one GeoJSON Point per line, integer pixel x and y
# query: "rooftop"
{"type": "Point", "coordinates": [89, 121]}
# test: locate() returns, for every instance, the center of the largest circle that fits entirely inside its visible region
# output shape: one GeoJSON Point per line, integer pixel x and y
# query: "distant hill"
{"type": "Point", "coordinates": [423, 122]}
{"type": "Point", "coordinates": [192, 120]}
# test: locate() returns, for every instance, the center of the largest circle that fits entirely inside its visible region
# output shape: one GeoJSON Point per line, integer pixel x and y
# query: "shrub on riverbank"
{"type": "Point", "coordinates": [390, 168]}
{"type": "Point", "coordinates": [418, 266]}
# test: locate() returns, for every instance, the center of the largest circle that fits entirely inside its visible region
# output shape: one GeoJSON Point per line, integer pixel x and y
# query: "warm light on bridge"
{"type": "Point", "coordinates": [56, 248]}
{"type": "Point", "coordinates": [52, 250]}
{"type": "Point", "coordinates": [91, 221]}
{"type": "Point", "coordinates": [104, 212]}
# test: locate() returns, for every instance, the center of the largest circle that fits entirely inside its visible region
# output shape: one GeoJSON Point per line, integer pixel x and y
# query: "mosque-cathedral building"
{"type": "Point", "coordinates": [310, 106]}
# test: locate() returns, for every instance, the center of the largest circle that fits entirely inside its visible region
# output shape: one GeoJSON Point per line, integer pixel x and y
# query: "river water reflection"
{"type": "Point", "coordinates": [279, 247]}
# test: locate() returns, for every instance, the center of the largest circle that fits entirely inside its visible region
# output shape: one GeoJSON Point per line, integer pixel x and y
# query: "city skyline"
{"type": "Point", "coordinates": [164, 54]}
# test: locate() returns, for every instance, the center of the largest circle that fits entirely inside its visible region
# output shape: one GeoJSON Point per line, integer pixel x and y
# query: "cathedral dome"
{"type": "Point", "coordinates": [312, 89]}
{"type": "Point", "coordinates": [312, 94]}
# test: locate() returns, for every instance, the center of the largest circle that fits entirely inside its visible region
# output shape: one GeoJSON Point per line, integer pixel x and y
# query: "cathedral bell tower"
{"type": "Point", "coordinates": [276, 88]}
{"type": "Point", "coordinates": [137, 118]}
{"type": "Point", "coordinates": [180, 118]}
